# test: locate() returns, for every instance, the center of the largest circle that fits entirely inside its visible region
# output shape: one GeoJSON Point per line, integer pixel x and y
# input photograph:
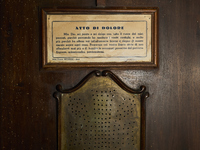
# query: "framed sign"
{"type": "Point", "coordinates": [111, 38]}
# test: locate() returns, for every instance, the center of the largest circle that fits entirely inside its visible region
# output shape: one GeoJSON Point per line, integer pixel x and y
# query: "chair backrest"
{"type": "Point", "coordinates": [101, 112]}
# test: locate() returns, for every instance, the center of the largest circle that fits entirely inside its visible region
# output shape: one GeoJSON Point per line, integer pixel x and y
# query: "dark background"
{"type": "Point", "coordinates": [28, 110]}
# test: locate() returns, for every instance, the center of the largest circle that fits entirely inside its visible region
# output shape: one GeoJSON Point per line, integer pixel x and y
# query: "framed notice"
{"type": "Point", "coordinates": [111, 38]}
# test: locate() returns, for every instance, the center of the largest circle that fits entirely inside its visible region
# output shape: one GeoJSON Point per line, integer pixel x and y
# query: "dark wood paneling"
{"type": "Point", "coordinates": [28, 109]}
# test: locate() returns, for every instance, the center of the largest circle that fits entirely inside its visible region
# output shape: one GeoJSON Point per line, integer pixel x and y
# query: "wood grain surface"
{"type": "Point", "coordinates": [27, 106]}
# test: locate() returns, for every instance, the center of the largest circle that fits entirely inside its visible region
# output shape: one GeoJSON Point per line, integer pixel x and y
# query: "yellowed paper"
{"type": "Point", "coordinates": [98, 38]}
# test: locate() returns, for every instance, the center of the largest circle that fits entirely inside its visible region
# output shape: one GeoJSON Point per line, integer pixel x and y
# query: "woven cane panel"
{"type": "Point", "coordinates": [100, 115]}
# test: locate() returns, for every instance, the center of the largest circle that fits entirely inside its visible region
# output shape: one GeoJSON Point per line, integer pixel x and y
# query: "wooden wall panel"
{"type": "Point", "coordinates": [28, 110]}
